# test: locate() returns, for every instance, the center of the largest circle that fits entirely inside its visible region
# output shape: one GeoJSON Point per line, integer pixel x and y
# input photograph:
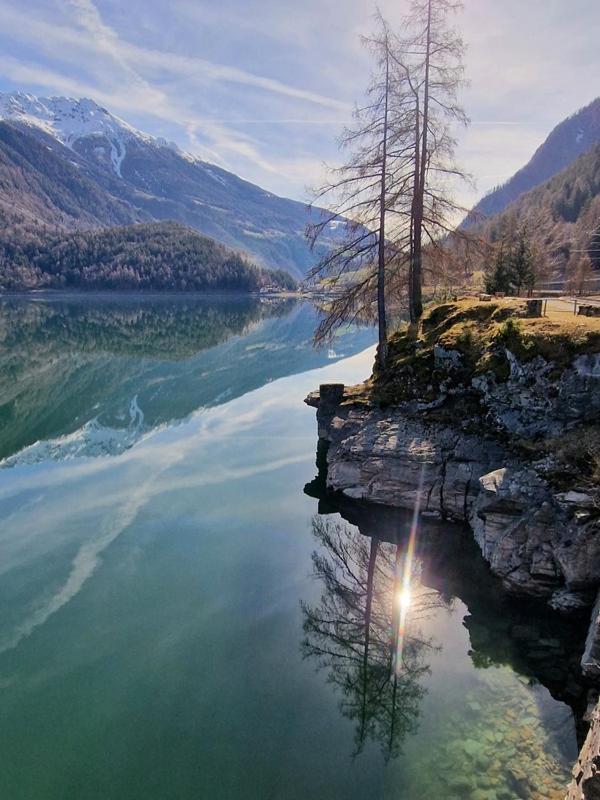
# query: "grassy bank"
{"type": "Point", "coordinates": [479, 333]}
{"type": "Point", "coordinates": [430, 372]}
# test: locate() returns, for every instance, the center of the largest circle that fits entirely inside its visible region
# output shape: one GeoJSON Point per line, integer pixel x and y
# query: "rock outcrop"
{"type": "Point", "coordinates": [391, 459]}
{"type": "Point", "coordinates": [532, 536]}
{"type": "Point", "coordinates": [586, 772]}
{"type": "Point", "coordinates": [533, 400]}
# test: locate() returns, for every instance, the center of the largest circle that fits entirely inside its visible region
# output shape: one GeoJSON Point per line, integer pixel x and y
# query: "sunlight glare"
{"type": "Point", "coordinates": [403, 598]}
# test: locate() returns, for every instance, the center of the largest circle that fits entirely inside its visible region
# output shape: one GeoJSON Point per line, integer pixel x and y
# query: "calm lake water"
{"type": "Point", "coordinates": [181, 618]}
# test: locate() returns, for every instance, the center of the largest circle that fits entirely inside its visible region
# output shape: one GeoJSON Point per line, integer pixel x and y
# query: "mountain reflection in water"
{"type": "Point", "coordinates": [91, 374]}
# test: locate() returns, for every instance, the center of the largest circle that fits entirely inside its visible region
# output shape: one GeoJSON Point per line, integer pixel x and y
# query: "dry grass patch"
{"type": "Point", "coordinates": [481, 332]}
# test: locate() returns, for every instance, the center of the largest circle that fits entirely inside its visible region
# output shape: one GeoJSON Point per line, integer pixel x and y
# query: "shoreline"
{"type": "Point", "coordinates": [155, 293]}
{"type": "Point", "coordinates": [336, 422]}
{"type": "Point", "coordinates": [484, 418]}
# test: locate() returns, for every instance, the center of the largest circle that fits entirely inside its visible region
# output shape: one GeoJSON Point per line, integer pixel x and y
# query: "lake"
{"type": "Point", "coordinates": [186, 612]}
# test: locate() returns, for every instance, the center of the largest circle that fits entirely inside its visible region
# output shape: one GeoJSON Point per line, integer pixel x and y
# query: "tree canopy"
{"type": "Point", "coordinates": [157, 256]}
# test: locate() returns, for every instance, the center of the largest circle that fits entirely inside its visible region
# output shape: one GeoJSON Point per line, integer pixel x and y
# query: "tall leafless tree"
{"type": "Point", "coordinates": [432, 59]}
{"type": "Point", "coordinates": [394, 194]}
{"type": "Point", "coordinates": [362, 193]}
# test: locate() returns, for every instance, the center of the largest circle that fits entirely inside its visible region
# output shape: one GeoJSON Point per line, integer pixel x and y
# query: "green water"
{"type": "Point", "coordinates": [180, 619]}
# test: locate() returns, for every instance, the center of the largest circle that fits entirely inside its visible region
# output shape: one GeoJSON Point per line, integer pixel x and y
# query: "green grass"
{"type": "Point", "coordinates": [481, 332]}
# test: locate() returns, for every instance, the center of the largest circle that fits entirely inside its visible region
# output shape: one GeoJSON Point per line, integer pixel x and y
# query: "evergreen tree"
{"type": "Point", "coordinates": [521, 272]}
{"type": "Point", "coordinates": [514, 269]}
{"type": "Point", "coordinates": [499, 279]}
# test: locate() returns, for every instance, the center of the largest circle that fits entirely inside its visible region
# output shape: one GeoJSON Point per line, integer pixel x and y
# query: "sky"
{"type": "Point", "coordinates": [264, 87]}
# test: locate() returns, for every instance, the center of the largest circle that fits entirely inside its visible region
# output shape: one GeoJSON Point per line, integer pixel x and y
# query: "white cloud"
{"type": "Point", "coordinates": [260, 86]}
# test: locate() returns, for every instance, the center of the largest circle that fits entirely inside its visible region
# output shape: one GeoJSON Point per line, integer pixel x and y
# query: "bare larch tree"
{"type": "Point", "coordinates": [393, 194]}
{"type": "Point", "coordinates": [361, 195]}
{"type": "Point", "coordinates": [430, 53]}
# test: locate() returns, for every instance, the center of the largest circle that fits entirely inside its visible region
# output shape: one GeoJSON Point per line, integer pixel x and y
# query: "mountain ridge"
{"type": "Point", "coordinates": [568, 140]}
{"type": "Point", "coordinates": [561, 217]}
{"type": "Point", "coordinates": [149, 179]}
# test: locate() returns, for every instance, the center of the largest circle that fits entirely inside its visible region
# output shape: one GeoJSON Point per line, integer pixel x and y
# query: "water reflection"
{"type": "Point", "coordinates": [520, 633]}
{"type": "Point", "coordinates": [357, 632]}
{"type": "Point", "coordinates": [90, 375]}
{"type": "Point", "coordinates": [495, 732]}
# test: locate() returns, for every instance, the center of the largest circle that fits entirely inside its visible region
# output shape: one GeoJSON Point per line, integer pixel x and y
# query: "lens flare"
{"type": "Point", "coordinates": [404, 577]}
{"type": "Point", "coordinates": [403, 598]}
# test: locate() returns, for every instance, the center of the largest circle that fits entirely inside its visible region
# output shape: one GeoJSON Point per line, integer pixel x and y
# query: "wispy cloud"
{"type": "Point", "coordinates": [259, 86]}
{"type": "Point", "coordinates": [119, 66]}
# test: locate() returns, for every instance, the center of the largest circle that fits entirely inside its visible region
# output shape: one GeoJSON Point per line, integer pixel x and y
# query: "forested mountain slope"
{"type": "Point", "coordinates": [129, 176]}
{"type": "Point", "coordinates": [151, 256]}
{"type": "Point", "coordinates": [561, 218]}
{"type": "Point", "coordinates": [570, 139]}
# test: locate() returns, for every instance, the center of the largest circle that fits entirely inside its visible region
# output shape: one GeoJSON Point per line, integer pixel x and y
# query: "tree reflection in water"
{"type": "Point", "coordinates": [366, 634]}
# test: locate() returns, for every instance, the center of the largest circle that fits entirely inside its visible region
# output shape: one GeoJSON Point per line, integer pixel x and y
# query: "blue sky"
{"type": "Point", "coordinates": [263, 87]}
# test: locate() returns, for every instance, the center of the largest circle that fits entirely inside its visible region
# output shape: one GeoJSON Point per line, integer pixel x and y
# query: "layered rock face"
{"type": "Point", "coordinates": [534, 401]}
{"type": "Point", "coordinates": [586, 772]}
{"type": "Point", "coordinates": [539, 541]}
{"type": "Point", "coordinates": [388, 458]}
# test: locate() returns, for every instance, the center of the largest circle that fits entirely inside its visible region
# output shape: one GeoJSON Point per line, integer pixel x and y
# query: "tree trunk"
{"type": "Point", "coordinates": [368, 612]}
{"type": "Point", "coordinates": [416, 309]}
{"type": "Point", "coordinates": [412, 304]}
{"type": "Point", "coordinates": [381, 315]}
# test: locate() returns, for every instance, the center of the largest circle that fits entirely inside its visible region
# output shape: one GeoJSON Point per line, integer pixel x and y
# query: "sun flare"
{"type": "Point", "coordinates": [403, 598]}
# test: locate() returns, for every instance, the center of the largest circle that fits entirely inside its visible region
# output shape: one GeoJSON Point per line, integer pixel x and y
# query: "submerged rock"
{"type": "Point", "coordinates": [566, 601]}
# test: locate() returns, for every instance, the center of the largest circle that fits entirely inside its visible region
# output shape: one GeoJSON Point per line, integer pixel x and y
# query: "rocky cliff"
{"type": "Point", "coordinates": [474, 439]}
{"type": "Point", "coordinates": [489, 417]}
{"type": "Point", "coordinates": [539, 541]}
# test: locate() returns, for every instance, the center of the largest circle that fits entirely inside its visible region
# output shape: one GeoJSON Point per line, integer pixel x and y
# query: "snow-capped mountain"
{"type": "Point", "coordinates": [567, 141]}
{"type": "Point", "coordinates": [87, 151]}
{"type": "Point", "coordinates": [69, 119]}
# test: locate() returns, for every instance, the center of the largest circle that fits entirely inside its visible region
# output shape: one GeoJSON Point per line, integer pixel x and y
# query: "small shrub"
{"type": "Point", "coordinates": [511, 335]}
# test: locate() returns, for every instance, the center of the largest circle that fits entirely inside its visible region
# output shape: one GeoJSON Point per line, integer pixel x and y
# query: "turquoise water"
{"type": "Point", "coordinates": [180, 619]}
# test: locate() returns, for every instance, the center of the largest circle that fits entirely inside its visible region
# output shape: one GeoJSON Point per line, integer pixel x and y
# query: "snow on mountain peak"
{"type": "Point", "coordinates": [69, 119]}
{"type": "Point", "coordinates": [65, 118]}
